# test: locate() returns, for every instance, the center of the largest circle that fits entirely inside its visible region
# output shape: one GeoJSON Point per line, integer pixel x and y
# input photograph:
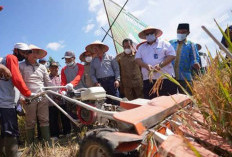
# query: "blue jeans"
{"type": "Point", "coordinates": [108, 85]}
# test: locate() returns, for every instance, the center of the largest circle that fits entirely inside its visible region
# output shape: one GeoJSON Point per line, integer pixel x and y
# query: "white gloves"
{"type": "Point", "coordinates": [33, 94]}
{"type": "Point", "coordinates": [63, 93]}
{"type": "Point", "coordinates": [69, 86]}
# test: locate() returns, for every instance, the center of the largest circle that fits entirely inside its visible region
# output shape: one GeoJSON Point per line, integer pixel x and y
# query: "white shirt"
{"type": "Point", "coordinates": [155, 54]}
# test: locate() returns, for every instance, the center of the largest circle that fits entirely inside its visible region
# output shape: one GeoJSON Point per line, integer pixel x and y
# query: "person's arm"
{"type": "Point", "coordinates": [143, 65]}
{"type": "Point", "coordinates": [138, 60]}
{"type": "Point", "coordinates": [170, 55]}
{"type": "Point", "coordinates": [5, 72]}
{"type": "Point", "coordinates": [194, 56]}
{"type": "Point", "coordinates": [47, 80]}
{"type": "Point", "coordinates": [63, 79]}
{"type": "Point", "coordinates": [93, 73]}
{"type": "Point", "coordinates": [115, 67]}
{"type": "Point", "coordinates": [17, 79]}
{"type": "Point", "coordinates": [80, 73]}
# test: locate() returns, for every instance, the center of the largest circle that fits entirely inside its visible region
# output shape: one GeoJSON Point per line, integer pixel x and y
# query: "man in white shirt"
{"type": "Point", "coordinates": [155, 55]}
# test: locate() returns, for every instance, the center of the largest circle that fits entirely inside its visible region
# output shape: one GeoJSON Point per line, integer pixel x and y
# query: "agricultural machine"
{"type": "Point", "coordinates": [139, 127]}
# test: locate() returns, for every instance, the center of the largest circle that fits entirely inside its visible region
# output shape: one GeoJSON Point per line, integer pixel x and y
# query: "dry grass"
{"type": "Point", "coordinates": [65, 147]}
{"type": "Point", "coordinates": [213, 94]}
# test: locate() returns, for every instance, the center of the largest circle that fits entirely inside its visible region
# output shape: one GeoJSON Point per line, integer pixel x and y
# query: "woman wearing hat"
{"type": "Point", "coordinates": [36, 76]}
{"type": "Point", "coordinates": [104, 69]}
{"type": "Point", "coordinates": [87, 57]}
{"type": "Point", "coordinates": [153, 56]}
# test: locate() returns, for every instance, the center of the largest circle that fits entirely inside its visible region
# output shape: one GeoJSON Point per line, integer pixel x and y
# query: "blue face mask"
{"type": "Point", "coordinates": [150, 37]}
{"type": "Point", "coordinates": [181, 37]}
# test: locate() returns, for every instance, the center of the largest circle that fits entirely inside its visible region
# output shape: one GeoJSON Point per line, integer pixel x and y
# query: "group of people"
{"type": "Point", "coordinates": [126, 75]}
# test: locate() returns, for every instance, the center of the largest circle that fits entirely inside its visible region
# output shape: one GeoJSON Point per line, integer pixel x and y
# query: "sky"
{"type": "Point", "coordinates": [61, 25]}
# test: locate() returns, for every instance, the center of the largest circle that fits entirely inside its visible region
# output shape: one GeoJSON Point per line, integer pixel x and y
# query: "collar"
{"type": "Point", "coordinates": [156, 41]}
{"type": "Point", "coordinates": [185, 41]}
{"type": "Point", "coordinates": [27, 63]}
{"type": "Point", "coordinates": [132, 54]}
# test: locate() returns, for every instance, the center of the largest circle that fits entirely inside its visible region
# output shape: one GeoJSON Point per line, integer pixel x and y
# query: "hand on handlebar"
{"type": "Point", "coordinates": [69, 86]}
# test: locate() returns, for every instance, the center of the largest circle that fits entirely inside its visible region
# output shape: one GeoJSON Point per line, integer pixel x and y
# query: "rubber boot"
{"type": "Point", "coordinates": [45, 134]}
{"type": "Point", "coordinates": [30, 136]}
{"type": "Point", "coordinates": [2, 147]}
{"type": "Point", "coordinates": [11, 146]}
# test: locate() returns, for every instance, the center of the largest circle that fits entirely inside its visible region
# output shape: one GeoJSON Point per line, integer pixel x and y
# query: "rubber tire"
{"type": "Point", "coordinates": [92, 140]}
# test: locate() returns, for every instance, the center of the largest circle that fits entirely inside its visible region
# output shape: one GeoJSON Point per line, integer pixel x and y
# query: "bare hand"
{"type": "Point", "coordinates": [197, 66]}
{"type": "Point", "coordinates": [5, 72]}
{"type": "Point", "coordinates": [116, 84]}
{"type": "Point", "coordinates": [22, 101]}
{"type": "Point", "coordinates": [157, 67]}
{"type": "Point", "coordinates": [97, 84]}
{"type": "Point", "coordinates": [149, 67]}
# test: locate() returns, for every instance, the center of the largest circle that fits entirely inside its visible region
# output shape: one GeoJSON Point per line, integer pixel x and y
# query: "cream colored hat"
{"type": "Point", "coordinates": [156, 31]}
{"type": "Point", "coordinates": [91, 46]}
{"type": "Point", "coordinates": [42, 53]}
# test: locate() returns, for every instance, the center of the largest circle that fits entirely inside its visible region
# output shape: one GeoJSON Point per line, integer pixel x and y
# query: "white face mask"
{"type": "Point", "coordinates": [88, 59]}
{"type": "Point", "coordinates": [70, 64]}
{"type": "Point", "coordinates": [150, 37]}
{"type": "Point", "coordinates": [181, 37]}
{"type": "Point", "coordinates": [127, 51]}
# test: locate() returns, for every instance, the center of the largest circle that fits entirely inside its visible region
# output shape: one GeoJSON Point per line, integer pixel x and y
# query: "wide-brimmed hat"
{"type": "Point", "coordinates": [91, 46]}
{"type": "Point", "coordinates": [82, 56]}
{"type": "Point", "coordinates": [156, 31]}
{"type": "Point", "coordinates": [69, 54]}
{"type": "Point", "coordinates": [42, 53]}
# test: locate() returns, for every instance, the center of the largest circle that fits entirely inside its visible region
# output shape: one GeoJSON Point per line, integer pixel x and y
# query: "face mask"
{"type": "Point", "coordinates": [88, 59]}
{"type": "Point", "coordinates": [181, 37]}
{"type": "Point", "coordinates": [127, 51]}
{"type": "Point", "coordinates": [70, 64]}
{"type": "Point", "coordinates": [150, 37]}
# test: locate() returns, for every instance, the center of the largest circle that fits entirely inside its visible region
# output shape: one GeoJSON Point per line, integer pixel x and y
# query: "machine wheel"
{"type": "Point", "coordinates": [86, 117]}
{"type": "Point", "coordinates": [93, 146]}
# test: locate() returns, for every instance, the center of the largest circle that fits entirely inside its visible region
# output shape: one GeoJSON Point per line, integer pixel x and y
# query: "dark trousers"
{"type": "Point", "coordinates": [8, 122]}
{"type": "Point", "coordinates": [185, 85]}
{"type": "Point", "coordinates": [54, 123]}
{"type": "Point", "coordinates": [167, 88]}
{"type": "Point", "coordinates": [108, 85]}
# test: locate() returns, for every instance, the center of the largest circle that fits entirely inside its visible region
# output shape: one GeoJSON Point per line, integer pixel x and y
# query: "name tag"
{"type": "Point", "coordinates": [155, 56]}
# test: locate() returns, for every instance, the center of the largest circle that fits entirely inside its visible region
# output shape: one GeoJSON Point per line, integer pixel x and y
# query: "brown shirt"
{"type": "Point", "coordinates": [130, 72]}
{"type": "Point", "coordinates": [87, 79]}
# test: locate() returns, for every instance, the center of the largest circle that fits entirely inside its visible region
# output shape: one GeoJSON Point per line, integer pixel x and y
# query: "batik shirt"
{"type": "Point", "coordinates": [186, 56]}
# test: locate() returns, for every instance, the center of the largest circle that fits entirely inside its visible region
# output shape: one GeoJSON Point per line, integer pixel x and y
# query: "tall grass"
{"type": "Point", "coordinates": [213, 95]}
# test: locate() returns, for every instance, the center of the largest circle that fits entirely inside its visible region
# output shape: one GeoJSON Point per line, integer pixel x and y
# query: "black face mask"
{"type": "Point", "coordinates": [19, 56]}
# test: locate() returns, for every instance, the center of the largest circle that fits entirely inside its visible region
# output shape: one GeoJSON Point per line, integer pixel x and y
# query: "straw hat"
{"type": "Point", "coordinates": [82, 56]}
{"type": "Point", "coordinates": [91, 46]}
{"type": "Point", "coordinates": [42, 53]}
{"type": "Point", "coordinates": [156, 31]}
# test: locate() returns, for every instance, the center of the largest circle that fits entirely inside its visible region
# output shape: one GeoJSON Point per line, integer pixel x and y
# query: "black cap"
{"type": "Point", "coordinates": [223, 38]}
{"type": "Point", "coordinates": [183, 26]}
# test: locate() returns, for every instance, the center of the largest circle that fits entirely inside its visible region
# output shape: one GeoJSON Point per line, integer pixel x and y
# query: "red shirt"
{"type": "Point", "coordinates": [17, 79]}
